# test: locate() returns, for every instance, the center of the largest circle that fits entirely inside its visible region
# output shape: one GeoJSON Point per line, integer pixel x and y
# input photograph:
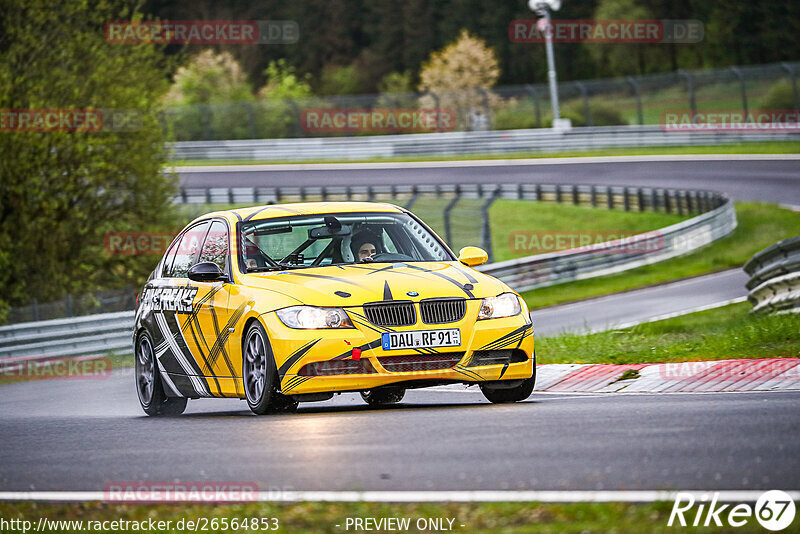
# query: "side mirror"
{"type": "Point", "coordinates": [472, 256]}
{"type": "Point", "coordinates": [207, 271]}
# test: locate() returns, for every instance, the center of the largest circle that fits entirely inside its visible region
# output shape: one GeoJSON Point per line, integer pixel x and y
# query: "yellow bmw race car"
{"type": "Point", "coordinates": [290, 303]}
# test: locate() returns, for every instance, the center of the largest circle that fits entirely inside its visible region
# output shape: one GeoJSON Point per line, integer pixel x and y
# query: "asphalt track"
{"type": "Point", "coordinates": [652, 303]}
{"type": "Point", "coordinates": [742, 178]}
{"type": "Point", "coordinates": [71, 436]}
{"type": "Point", "coordinates": [81, 435]}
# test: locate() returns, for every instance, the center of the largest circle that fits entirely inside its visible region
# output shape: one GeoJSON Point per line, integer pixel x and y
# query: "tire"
{"type": "Point", "coordinates": [152, 398]}
{"type": "Point", "coordinates": [514, 394]}
{"type": "Point", "coordinates": [260, 375]}
{"type": "Point", "coordinates": [383, 396]}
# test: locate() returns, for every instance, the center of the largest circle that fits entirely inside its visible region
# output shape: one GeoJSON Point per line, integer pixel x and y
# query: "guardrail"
{"type": "Point", "coordinates": [76, 336]}
{"type": "Point", "coordinates": [774, 283]}
{"type": "Point", "coordinates": [97, 334]}
{"type": "Point", "coordinates": [459, 143]}
{"type": "Point", "coordinates": [611, 197]}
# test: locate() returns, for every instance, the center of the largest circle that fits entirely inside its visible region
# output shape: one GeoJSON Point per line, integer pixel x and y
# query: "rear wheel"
{"type": "Point", "coordinates": [261, 374]}
{"type": "Point", "coordinates": [383, 396]}
{"type": "Point", "coordinates": [148, 382]}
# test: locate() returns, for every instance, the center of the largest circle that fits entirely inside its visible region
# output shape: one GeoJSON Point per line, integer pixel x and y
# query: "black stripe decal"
{"type": "Point", "coordinates": [445, 277]}
{"type": "Point", "coordinates": [503, 370]}
{"type": "Point", "coordinates": [296, 355]}
{"type": "Point", "coordinates": [387, 293]}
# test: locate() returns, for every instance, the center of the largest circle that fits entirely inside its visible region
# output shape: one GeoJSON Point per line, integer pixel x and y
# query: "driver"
{"type": "Point", "coordinates": [364, 245]}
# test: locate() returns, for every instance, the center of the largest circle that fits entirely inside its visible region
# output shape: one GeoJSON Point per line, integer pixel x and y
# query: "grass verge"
{"type": "Point", "coordinates": [315, 518]}
{"type": "Point", "coordinates": [730, 332]}
{"type": "Point", "coordinates": [760, 225]}
{"type": "Point", "coordinates": [782, 147]}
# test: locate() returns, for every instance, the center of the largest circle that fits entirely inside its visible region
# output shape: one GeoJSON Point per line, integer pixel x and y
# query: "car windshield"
{"type": "Point", "coordinates": [336, 238]}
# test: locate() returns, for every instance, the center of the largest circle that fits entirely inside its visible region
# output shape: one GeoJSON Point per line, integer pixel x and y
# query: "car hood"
{"type": "Point", "coordinates": [353, 285]}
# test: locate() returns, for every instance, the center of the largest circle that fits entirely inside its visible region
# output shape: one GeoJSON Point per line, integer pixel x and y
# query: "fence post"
{"type": "Point", "coordinates": [250, 119]}
{"type": "Point", "coordinates": [68, 304]}
{"type": "Point", "coordinates": [587, 113]}
{"type": "Point", "coordinates": [738, 72]}
{"type": "Point", "coordinates": [435, 106]}
{"type": "Point", "coordinates": [690, 91]}
{"type": "Point", "coordinates": [298, 127]}
{"type": "Point", "coordinates": [206, 111]}
{"type": "Point", "coordinates": [486, 234]}
{"type": "Point", "coordinates": [448, 235]}
{"type": "Point", "coordinates": [793, 76]}
{"type": "Point", "coordinates": [638, 94]}
{"type": "Point", "coordinates": [535, 94]}
{"type": "Point", "coordinates": [414, 196]}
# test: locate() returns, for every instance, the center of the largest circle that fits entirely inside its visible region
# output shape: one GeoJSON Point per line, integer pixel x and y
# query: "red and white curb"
{"type": "Point", "coordinates": [722, 375]}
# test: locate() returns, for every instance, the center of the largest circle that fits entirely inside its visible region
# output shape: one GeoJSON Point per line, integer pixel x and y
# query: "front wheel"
{"type": "Point", "coordinates": [148, 382]}
{"type": "Point", "coordinates": [261, 375]}
{"type": "Point", "coordinates": [383, 396]}
{"type": "Point", "coordinates": [518, 393]}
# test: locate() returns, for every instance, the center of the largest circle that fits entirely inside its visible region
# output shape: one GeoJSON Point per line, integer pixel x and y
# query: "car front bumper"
{"type": "Point", "coordinates": [310, 361]}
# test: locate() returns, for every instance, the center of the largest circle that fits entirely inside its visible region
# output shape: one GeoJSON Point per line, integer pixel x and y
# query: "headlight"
{"type": "Point", "coordinates": [309, 317]}
{"type": "Point", "coordinates": [505, 305]}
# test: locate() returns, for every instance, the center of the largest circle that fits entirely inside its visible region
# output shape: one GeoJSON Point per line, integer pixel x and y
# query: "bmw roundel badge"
{"type": "Point", "coordinates": [412, 294]}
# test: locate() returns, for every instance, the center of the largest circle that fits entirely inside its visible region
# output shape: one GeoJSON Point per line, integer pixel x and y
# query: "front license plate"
{"type": "Point", "coordinates": [421, 339]}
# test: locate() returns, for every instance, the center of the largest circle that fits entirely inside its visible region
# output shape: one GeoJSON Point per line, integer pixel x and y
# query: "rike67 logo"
{"type": "Point", "coordinates": [774, 510]}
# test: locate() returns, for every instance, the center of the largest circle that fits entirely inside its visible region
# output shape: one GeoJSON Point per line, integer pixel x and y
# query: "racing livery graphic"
{"type": "Point", "coordinates": [290, 303]}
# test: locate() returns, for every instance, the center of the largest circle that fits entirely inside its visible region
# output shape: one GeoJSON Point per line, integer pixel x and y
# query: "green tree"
{"type": "Point", "coordinates": [280, 100]}
{"type": "Point", "coordinates": [460, 74]}
{"type": "Point", "coordinates": [62, 191]}
{"type": "Point", "coordinates": [620, 58]}
{"type": "Point", "coordinates": [211, 97]}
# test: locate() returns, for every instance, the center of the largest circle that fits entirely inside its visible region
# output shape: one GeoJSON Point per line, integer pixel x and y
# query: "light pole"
{"type": "Point", "coordinates": [543, 9]}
